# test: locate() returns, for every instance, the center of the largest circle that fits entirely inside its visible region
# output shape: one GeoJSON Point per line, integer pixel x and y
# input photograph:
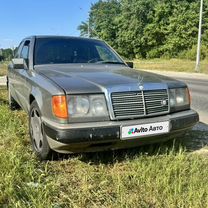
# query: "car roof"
{"type": "Point", "coordinates": [62, 37]}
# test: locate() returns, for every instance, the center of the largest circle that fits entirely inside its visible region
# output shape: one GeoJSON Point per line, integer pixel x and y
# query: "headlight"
{"type": "Point", "coordinates": [87, 106]}
{"type": "Point", "coordinates": [179, 99]}
{"type": "Point", "coordinates": [98, 106]}
{"type": "Point", "coordinates": [78, 105]}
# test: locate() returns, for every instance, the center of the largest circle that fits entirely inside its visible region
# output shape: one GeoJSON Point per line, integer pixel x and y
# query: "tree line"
{"type": "Point", "coordinates": [149, 28]}
{"type": "Point", "coordinates": [6, 54]}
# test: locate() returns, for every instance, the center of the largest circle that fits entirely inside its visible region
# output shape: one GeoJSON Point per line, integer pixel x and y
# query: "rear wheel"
{"type": "Point", "coordinates": [38, 138]}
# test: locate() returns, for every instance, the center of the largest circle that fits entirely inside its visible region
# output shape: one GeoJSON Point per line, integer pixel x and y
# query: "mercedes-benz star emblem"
{"type": "Point", "coordinates": [164, 102]}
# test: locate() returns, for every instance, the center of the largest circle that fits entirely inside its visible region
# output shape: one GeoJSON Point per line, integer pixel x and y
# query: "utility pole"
{"type": "Point", "coordinates": [88, 25]}
{"type": "Point", "coordinates": [197, 69]}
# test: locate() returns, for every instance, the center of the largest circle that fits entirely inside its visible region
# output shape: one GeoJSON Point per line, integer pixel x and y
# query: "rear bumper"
{"type": "Point", "coordinates": [106, 135]}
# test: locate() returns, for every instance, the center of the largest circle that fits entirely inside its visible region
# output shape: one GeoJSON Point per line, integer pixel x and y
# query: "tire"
{"type": "Point", "coordinates": [38, 138]}
{"type": "Point", "coordinates": [13, 105]}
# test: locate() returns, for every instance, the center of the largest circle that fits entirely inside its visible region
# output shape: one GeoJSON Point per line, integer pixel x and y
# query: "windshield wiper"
{"type": "Point", "coordinates": [110, 62]}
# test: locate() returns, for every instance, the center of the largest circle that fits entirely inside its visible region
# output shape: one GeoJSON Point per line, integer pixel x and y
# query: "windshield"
{"type": "Point", "coordinates": [73, 50]}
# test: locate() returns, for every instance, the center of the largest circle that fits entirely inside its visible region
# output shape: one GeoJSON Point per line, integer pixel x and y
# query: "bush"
{"type": "Point", "coordinates": [154, 53]}
{"type": "Point", "coordinates": [191, 53]}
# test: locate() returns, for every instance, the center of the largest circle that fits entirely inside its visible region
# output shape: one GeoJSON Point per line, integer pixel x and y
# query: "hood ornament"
{"type": "Point", "coordinates": [140, 84]}
{"type": "Point", "coordinates": [141, 87]}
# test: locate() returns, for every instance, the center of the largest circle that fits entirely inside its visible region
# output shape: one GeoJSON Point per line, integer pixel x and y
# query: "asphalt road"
{"type": "Point", "coordinates": [198, 85]}
{"type": "Point", "coordinates": [199, 93]}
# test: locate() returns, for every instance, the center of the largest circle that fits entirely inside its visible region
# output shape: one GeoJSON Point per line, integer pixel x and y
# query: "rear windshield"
{"type": "Point", "coordinates": [73, 50]}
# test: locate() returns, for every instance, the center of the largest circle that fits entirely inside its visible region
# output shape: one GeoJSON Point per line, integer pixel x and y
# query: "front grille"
{"type": "Point", "coordinates": [139, 104]}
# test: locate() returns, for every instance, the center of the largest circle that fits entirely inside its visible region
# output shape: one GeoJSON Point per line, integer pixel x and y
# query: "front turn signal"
{"type": "Point", "coordinates": [59, 105]}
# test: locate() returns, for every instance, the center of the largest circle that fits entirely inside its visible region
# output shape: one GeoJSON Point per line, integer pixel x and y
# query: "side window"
{"type": "Point", "coordinates": [25, 50]}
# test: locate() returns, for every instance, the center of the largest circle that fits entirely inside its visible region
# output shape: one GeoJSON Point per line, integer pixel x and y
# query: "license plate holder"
{"type": "Point", "coordinates": [143, 130]}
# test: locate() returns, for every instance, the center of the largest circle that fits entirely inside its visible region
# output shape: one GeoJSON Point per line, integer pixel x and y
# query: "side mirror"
{"type": "Point", "coordinates": [130, 64]}
{"type": "Point", "coordinates": [19, 63]}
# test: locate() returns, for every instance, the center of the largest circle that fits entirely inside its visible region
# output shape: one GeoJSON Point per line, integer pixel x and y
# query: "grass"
{"type": "Point", "coordinates": [179, 65]}
{"type": "Point", "coordinates": [3, 68]}
{"type": "Point", "coordinates": [153, 176]}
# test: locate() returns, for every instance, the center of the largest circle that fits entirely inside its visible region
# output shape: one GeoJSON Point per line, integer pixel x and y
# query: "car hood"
{"type": "Point", "coordinates": [96, 78]}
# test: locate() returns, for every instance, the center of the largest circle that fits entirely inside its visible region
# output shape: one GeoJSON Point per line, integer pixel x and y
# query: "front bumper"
{"type": "Point", "coordinates": [82, 137]}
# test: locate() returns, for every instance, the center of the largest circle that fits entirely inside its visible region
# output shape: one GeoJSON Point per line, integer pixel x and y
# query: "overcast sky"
{"type": "Point", "coordinates": [21, 18]}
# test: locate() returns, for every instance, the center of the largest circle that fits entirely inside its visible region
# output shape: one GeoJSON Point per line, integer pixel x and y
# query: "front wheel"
{"type": "Point", "coordinates": [38, 138]}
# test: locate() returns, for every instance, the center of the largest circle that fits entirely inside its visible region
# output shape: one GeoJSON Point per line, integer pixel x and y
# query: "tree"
{"type": "Point", "coordinates": [133, 19]}
{"type": "Point", "coordinates": [7, 54]}
{"type": "Point", "coordinates": [83, 28]}
{"type": "Point", "coordinates": [102, 21]}
{"type": "Point", "coordinates": [148, 28]}
{"type": "Point", "coordinates": [1, 55]}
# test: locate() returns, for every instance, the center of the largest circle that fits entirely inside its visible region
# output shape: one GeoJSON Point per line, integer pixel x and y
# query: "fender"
{"type": "Point", "coordinates": [35, 94]}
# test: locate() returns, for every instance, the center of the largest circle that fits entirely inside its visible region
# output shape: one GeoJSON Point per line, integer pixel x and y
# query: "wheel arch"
{"type": "Point", "coordinates": [35, 95]}
{"type": "Point", "coordinates": [43, 100]}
